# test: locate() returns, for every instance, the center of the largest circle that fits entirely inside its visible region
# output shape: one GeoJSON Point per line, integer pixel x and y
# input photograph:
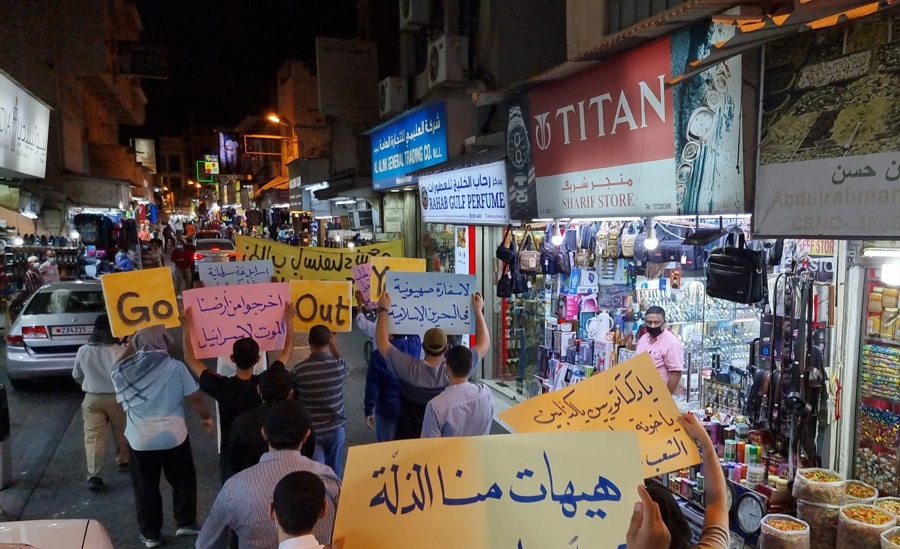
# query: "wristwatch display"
{"type": "Point", "coordinates": [518, 148]}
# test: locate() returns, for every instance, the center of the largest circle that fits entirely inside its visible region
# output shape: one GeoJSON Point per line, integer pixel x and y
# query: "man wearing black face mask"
{"type": "Point", "coordinates": [664, 347]}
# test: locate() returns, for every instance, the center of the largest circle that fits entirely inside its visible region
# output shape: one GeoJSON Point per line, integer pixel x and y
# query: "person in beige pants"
{"type": "Point", "coordinates": [94, 363]}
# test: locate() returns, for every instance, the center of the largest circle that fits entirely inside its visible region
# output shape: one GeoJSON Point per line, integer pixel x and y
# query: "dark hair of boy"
{"type": "Point", "coordinates": [298, 502]}
{"type": "Point", "coordinates": [275, 384]}
{"type": "Point", "coordinates": [287, 425]}
{"type": "Point", "coordinates": [319, 336]}
{"type": "Point", "coordinates": [245, 353]}
{"type": "Point", "coordinates": [459, 360]}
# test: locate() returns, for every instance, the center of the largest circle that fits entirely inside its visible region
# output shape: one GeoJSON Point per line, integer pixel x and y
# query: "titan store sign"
{"type": "Point", "coordinates": [24, 124]}
{"type": "Point", "coordinates": [613, 140]}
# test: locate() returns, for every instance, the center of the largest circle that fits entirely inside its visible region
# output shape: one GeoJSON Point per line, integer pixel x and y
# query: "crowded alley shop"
{"type": "Point", "coordinates": [630, 186]}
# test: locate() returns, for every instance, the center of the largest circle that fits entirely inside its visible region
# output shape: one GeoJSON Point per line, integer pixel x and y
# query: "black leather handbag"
{"type": "Point", "coordinates": [736, 273]}
{"type": "Point", "coordinates": [504, 284]}
{"type": "Point", "coordinates": [549, 252]}
{"type": "Point", "coordinates": [506, 251]}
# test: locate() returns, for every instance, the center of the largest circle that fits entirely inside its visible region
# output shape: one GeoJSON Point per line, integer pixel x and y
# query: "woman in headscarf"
{"type": "Point", "coordinates": [152, 386]}
{"type": "Point", "coordinates": [94, 363]}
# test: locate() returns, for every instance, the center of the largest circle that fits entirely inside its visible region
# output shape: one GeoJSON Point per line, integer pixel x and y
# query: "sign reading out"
{"type": "Point", "coordinates": [236, 273]}
{"type": "Point", "coordinates": [322, 302]}
{"type": "Point", "coordinates": [561, 489]}
{"type": "Point", "coordinates": [139, 299]}
{"type": "Point", "coordinates": [416, 140]}
{"type": "Point", "coordinates": [420, 301]}
{"type": "Point", "coordinates": [474, 195]}
{"type": "Point", "coordinates": [381, 266]}
{"type": "Point", "coordinates": [224, 315]}
{"type": "Point", "coordinates": [301, 263]}
{"type": "Point", "coordinates": [631, 396]}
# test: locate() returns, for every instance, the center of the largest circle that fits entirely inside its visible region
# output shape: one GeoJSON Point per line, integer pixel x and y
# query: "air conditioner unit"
{"type": "Point", "coordinates": [414, 14]}
{"type": "Point", "coordinates": [392, 95]}
{"type": "Point", "coordinates": [448, 60]}
{"type": "Point", "coordinates": [421, 85]}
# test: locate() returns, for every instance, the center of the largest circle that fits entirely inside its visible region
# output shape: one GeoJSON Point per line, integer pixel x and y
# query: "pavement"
{"type": "Point", "coordinates": [48, 463]}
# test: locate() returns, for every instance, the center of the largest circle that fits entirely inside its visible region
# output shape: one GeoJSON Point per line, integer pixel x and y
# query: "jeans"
{"type": "Point", "coordinates": [101, 411]}
{"type": "Point", "coordinates": [385, 429]}
{"type": "Point", "coordinates": [330, 449]}
{"type": "Point", "coordinates": [178, 465]}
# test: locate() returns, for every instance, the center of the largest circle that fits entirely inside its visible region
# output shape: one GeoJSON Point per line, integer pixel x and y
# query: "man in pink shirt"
{"type": "Point", "coordinates": [664, 347]}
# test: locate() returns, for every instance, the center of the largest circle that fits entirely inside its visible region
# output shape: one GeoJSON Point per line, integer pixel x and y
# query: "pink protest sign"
{"type": "Point", "coordinates": [362, 279]}
{"type": "Point", "coordinates": [224, 314]}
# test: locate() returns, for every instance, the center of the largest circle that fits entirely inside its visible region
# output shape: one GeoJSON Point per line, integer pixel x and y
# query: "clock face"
{"type": "Point", "coordinates": [749, 513]}
{"type": "Point", "coordinates": [702, 123]}
{"type": "Point", "coordinates": [729, 497]}
{"type": "Point", "coordinates": [517, 147]}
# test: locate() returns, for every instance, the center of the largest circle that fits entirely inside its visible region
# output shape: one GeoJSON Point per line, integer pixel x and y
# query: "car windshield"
{"type": "Point", "coordinates": [214, 244]}
{"type": "Point", "coordinates": [66, 301]}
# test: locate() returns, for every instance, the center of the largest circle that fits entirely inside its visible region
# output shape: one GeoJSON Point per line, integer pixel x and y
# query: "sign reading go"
{"type": "Point", "coordinates": [138, 299]}
{"type": "Point", "coordinates": [322, 302]}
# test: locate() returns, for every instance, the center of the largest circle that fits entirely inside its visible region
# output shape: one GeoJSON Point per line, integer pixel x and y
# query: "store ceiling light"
{"type": "Point", "coordinates": [881, 252]}
{"type": "Point", "coordinates": [395, 190]}
{"type": "Point", "coordinates": [890, 274]}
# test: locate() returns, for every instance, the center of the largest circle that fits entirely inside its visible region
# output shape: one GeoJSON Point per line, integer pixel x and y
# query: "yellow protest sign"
{"type": "Point", "coordinates": [322, 302]}
{"type": "Point", "coordinates": [313, 263]}
{"type": "Point", "coordinates": [631, 396]}
{"type": "Point", "coordinates": [382, 265]}
{"type": "Point", "coordinates": [138, 299]}
{"type": "Point", "coordinates": [528, 491]}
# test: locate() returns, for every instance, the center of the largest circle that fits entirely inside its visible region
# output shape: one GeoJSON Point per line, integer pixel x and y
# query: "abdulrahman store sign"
{"type": "Point", "coordinates": [468, 196]}
{"type": "Point", "coordinates": [414, 141]}
{"type": "Point", "coordinates": [24, 123]}
{"type": "Point", "coordinates": [614, 140]}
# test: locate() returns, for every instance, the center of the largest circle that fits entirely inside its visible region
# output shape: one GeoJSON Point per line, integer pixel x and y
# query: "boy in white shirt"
{"type": "Point", "coordinates": [298, 502]}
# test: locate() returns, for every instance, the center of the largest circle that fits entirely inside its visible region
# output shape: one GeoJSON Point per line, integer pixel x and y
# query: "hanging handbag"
{"type": "Point", "coordinates": [529, 259]}
{"type": "Point", "coordinates": [564, 257]}
{"type": "Point", "coordinates": [506, 251]}
{"type": "Point", "coordinates": [583, 251]}
{"type": "Point", "coordinates": [549, 251]}
{"type": "Point", "coordinates": [612, 244]}
{"type": "Point", "coordinates": [504, 283]}
{"type": "Point", "coordinates": [628, 240]}
{"type": "Point", "coordinates": [520, 283]}
{"type": "Point", "coordinates": [736, 273]}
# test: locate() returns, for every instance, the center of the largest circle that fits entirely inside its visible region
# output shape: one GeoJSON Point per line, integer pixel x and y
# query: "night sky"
{"type": "Point", "coordinates": [224, 55]}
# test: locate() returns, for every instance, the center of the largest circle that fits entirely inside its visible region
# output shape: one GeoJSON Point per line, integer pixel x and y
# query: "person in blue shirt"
{"type": "Point", "coordinates": [125, 261]}
{"type": "Point", "coordinates": [381, 403]}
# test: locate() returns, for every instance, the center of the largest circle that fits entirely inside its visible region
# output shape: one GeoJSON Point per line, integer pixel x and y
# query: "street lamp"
{"type": "Point", "coordinates": [295, 141]}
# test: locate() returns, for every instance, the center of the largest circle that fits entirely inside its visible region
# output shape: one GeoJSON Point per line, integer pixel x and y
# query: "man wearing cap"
{"type": "Point", "coordinates": [33, 278]}
{"type": "Point", "coordinates": [423, 379]}
{"type": "Point", "coordinates": [242, 506]}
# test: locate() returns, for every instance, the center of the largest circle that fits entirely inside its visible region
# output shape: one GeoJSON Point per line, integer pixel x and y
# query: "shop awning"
{"type": "Point", "coordinates": [488, 156]}
{"type": "Point", "coordinates": [278, 183]}
{"type": "Point", "coordinates": [350, 186]}
{"type": "Point", "coordinates": [691, 11]}
{"type": "Point", "coordinates": [97, 191]}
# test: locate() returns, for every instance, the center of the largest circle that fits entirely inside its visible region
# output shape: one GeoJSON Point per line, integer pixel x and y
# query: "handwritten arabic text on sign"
{"type": "Point", "coordinates": [296, 263]}
{"type": "Point", "coordinates": [322, 302]}
{"type": "Point", "coordinates": [474, 195]}
{"type": "Point", "coordinates": [381, 266]}
{"type": "Point", "coordinates": [235, 273]}
{"type": "Point", "coordinates": [224, 315]}
{"type": "Point", "coordinates": [362, 280]}
{"type": "Point", "coordinates": [139, 299]}
{"type": "Point", "coordinates": [558, 486]}
{"type": "Point", "coordinates": [628, 397]}
{"type": "Point", "coordinates": [420, 301]}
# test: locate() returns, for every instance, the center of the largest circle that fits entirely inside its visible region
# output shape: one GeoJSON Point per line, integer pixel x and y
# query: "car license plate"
{"type": "Point", "coordinates": [71, 330]}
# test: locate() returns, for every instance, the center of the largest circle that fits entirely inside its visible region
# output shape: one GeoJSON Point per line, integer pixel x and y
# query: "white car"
{"type": "Point", "coordinates": [56, 534]}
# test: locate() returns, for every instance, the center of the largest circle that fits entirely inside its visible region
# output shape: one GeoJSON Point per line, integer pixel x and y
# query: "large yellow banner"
{"type": "Point", "coordinates": [138, 299]}
{"type": "Point", "coordinates": [631, 396]}
{"type": "Point", "coordinates": [297, 263]}
{"type": "Point", "coordinates": [531, 491]}
{"type": "Point", "coordinates": [327, 302]}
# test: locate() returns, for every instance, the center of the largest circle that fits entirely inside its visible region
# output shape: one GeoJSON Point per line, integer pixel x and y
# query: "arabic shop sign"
{"type": "Point", "coordinates": [24, 123]}
{"type": "Point", "coordinates": [139, 299]}
{"type": "Point", "coordinates": [475, 196]}
{"type": "Point", "coordinates": [224, 315]}
{"type": "Point", "coordinates": [236, 273]}
{"type": "Point", "coordinates": [613, 140]}
{"type": "Point", "coordinates": [420, 301]}
{"type": "Point", "coordinates": [841, 156]}
{"type": "Point", "coordinates": [515, 492]}
{"type": "Point", "coordinates": [631, 396]}
{"type": "Point", "coordinates": [416, 140]}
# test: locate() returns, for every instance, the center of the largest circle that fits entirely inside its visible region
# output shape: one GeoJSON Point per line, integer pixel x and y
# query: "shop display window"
{"type": "Point", "coordinates": [438, 247]}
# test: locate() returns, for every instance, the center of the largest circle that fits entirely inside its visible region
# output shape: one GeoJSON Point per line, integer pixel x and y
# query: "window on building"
{"type": "Point", "coordinates": [621, 14]}
{"type": "Point", "coordinates": [174, 163]}
{"type": "Point", "coordinates": [161, 164]}
{"type": "Point", "coordinates": [176, 183]}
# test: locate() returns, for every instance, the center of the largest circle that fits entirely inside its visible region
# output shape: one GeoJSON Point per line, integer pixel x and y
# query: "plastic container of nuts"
{"type": "Point", "coordinates": [783, 532]}
{"type": "Point", "coordinates": [819, 486]}
{"type": "Point", "coordinates": [889, 504]}
{"type": "Point", "coordinates": [890, 539]}
{"type": "Point", "coordinates": [860, 526]}
{"type": "Point", "coordinates": [860, 492]}
{"type": "Point", "coordinates": [823, 523]}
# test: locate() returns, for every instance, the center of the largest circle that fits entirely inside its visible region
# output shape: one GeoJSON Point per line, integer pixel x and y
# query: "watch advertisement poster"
{"type": "Point", "coordinates": [614, 140]}
{"type": "Point", "coordinates": [521, 191]}
{"type": "Point", "coordinates": [831, 128]}
{"type": "Point", "coordinates": [414, 141]}
{"type": "Point", "coordinates": [475, 195]}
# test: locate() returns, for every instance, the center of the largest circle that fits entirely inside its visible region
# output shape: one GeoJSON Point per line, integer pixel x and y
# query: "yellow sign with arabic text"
{"type": "Point", "coordinates": [382, 265]}
{"type": "Point", "coordinates": [630, 396]}
{"type": "Point", "coordinates": [466, 491]}
{"type": "Point", "coordinates": [313, 263]}
{"type": "Point", "coordinates": [325, 302]}
{"type": "Point", "coordinates": [139, 299]}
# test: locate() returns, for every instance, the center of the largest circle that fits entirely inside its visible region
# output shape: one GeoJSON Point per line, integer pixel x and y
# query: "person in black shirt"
{"type": "Point", "coordinates": [247, 444]}
{"type": "Point", "coordinates": [237, 394]}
